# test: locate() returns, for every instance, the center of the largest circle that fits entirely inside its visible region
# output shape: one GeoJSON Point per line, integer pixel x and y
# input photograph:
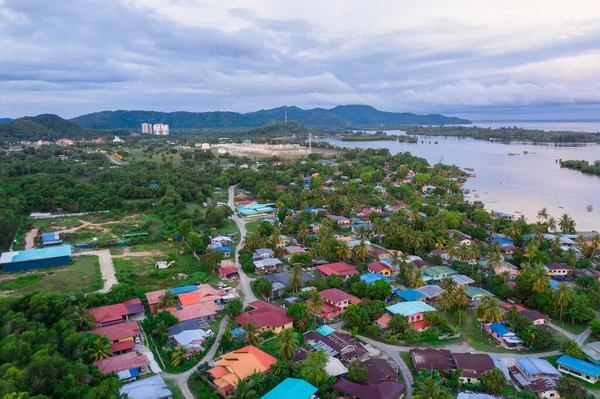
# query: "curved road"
{"type": "Point", "coordinates": [107, 268]}
{"type": "Point", "coordinates": [241, 224]}
{"type": "Point", "coordinates": [181, 380]}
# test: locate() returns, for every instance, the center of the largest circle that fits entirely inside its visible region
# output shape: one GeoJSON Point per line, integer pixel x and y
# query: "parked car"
{"type": "Point", "coordinates": [138, 340]}
{"type": "Point", "coordinates": [210, 333]}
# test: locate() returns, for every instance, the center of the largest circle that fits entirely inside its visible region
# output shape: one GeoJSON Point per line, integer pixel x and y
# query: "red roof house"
{"type": "Point", "coordinates": [126, 361]}
{"type": "Point", "coordinates": [111, 314]}
{"type": "Point", "coordinates": [339, 268]}
{"type": "Point", "coordinates": [266, 316]}
{"type": "Point", "coordinates": [380, 268]}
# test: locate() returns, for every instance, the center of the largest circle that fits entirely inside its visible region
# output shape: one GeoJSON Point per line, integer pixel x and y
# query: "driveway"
{"type": "Point", "coordinates": [241, 224]}
{"type": "Point", "coordinates": [107, 268]}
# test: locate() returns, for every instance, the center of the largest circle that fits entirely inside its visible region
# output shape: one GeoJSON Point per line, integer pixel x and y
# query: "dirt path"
{"type": "Point", "coordinates": [107, 268]}
{"type": "Point", "coordinates": [30, 238]}
{"type": "Point", "coordinates": [153, 253]}
{"type": "Point", "coordinates": [84, 225]}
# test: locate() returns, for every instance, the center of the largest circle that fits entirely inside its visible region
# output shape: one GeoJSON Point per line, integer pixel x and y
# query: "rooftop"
{"type": "Point", "coordinates": [410, 308]}
{"type": "Point", "coordinates": [431, 291]}
{"type": "Point", "coordinates": [370, 278]}
{"type": "Point", "coordinates": [264, 314]}
{"type": "Point", "coordinates": [149, 388]}
{"type": "Point", "coordinates": [534, 366]}
{"type": "Point", "coordinates": [291, 388]}
{"type": "Point", "coordinates": [437, 359]}
{"type": "Point", "coordinates": [558, 266]}
{"type": "Point", "coordinates": [381, 390]}
{"type": "Point", "coordinates": [126, 361]}
{"type": "Point", "coordinates": [412, 295]}
{"type": "Point", "coordinates": [36, 254]}
{"type": "Point", "coordinates": [592, 350]}
{"type": "Point", "coordinates": [439, 271]}
{"type": "Point", "coordinates": [339, 268]}
{"type": "Point", "coordinates": [579, 365]}
{"type": "Point", "coordinates": [336, 295]}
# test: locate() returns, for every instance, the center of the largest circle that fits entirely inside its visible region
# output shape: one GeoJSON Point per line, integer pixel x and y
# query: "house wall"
{"type": "Point", "coordinates": [552, 394]}
{"type": "Point", "coordinates": [559, 272]}
{"type": "Point", "coordinates": [36, 264]}
{"type": "Point", "coordinates": [577, 374]}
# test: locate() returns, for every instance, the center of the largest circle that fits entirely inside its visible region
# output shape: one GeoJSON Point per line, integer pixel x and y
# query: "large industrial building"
{"type": "Point", "coordinates": [35, 258]}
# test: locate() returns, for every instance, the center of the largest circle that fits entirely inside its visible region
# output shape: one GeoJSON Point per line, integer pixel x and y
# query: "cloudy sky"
{"type": "Point", "coordinates": [509, 59]}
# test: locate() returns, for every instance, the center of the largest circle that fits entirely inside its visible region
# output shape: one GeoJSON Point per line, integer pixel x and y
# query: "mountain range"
{"type": "Point", "coordinates": [340, 117]}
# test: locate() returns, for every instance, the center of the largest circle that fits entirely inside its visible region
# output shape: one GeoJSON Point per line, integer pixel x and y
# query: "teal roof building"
{"type": "Point", "coordinates": [292, 388]}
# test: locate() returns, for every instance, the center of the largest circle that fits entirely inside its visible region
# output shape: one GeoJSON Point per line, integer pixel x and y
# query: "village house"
{"type": "Point", "coordinates": [148, 388]}
{"type": "Point", "coordinates": [263, 253]}
{"type": "Point", "coordinates": [341, 269]}
{"type": "Point", "coordinates": [578, 368]}
{"type": "Point", "coordinates": [380, 268]}
{"type": "Point", "coordinates": [117, 313]}
{"type": "Point", "coordinates": [592, 352]}
{"type": "Point", "coordinates": [266, 316]}
{"type": "Point", "coordinates": [503, 335]}
{"type": "Point", "coordinates": [414, 311]}
{"type": "Point", "coordinates": [536, 375]}
{"type": "Point", "coordinates": [267, 266]}
{"type": "Point", "coordinates": [558, 270]}
{"type": "Point", "coordinates": [343, 222]}
{"type": "Point", "coordinates": [127, 365]}
{"type": "Point", "coordinates": [121, 336]}
{"type": "Point", "coordinates": [337, 300]}
{"type": "Point", "coordinates": [292, 388]}
{"type": "Point", "coordinates": [238, 365]}
{"type": "Point", "coordinates": [336, 344]}
{"type": "Point", "coordinates": [437, 273]}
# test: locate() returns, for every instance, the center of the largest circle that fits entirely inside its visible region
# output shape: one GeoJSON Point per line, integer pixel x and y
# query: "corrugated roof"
{"type": "Point", "coordinates": [325, 330]}
{"type": "Point", "coordinates": [411, 295]}
{"type": "Point", "coordinates": [437, 271]}
{"type": "Point", "coordinates": [410, 308]}
{"type": "Point", "coordinates": [36, 254]}
{"type": "Point", "coordinates": [534, 366]}
{"type": "Point", "coordinates": [592, 350]}
{"type": "Point", "coordinates": [579, 365]}
{"type": "Point", "coordinates": [149, 388]}
{"type": "Point", "coordinates": [500, 329]}
{"type": "Point", "coordinates": [291, 388]}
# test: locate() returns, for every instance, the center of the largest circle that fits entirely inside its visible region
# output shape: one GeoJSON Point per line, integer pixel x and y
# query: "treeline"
{"type": "Point", "coordinates": [506, 133]}
{"type": "Point", "coordinates": [583, 166]}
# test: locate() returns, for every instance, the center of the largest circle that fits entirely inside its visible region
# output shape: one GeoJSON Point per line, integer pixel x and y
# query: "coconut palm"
{"type": "Point", "coordinates": [564, 296]}
{"type": "Point", "coordinates": [451, 249]}
{"type": "Point", "coordinates": [461, 299]}
{"type": "Point", "coordinates": [295, 280]}
{"type": "Point", "coordinates": [252, 333]}
{"type": "Point", "coordinates": [178, 355]}
{"type": "Point", "coordinates": [100, 349]}
{"type": "Point", "coordinates": [361, 250]}
{"type": "Point", "coordinates": [445, 300]}
{"type": "Point", "coordinates": [439, 243]}
{"type": "Point", "coordinates": [396, 259]}
{"type": "Point", "coordinates": [582, 245]}
{"type": "Point", "coordinates": [566, 224]}
{"type": "Point", "coordinates": [167, 300]}
{"type": "Point", "coordinates": [315, 305]}
{"type": "Point", "coordinates": [428, 389]}
{"type": "Point", "coordinates": [243, 390]}
{"type": "Point", "coordinates": [379, 228]}
{"type": "Point", "coordinates": [461, 314]}
{"type": "Point", "coordinates": [551, 223]}
{"type": "Point", "coordinates": [275, 237]}
{"type": "Point", "coordinates": [281, 366]}
{"type": "Point", "coordinates": [83, 319]}
{"type": "Point", "coordinates": [343, 251]}
{"type": "Point", "coordinates": [253, 241]}
{"type": "Point", "coordinates": [489, 311]}
{"type": "Point", "coordinates": [595, 244]}
{"type": "Point", "coordinates": [539, 278]}
{"type": "Point", "coordinates": [531, 250]}
{"type": "Point", "coordinates": [303, 232]}
{"type": "Point", "coordinates": [289, 343]}
{"type": "Point", "coordinates": [543, 214]}
{"type": "Point", "coordinates": [512, 230]}
{"type": "Point", "coordinates": [161, 329]}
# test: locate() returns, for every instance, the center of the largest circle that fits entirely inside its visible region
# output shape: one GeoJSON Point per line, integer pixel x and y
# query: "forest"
{"type": "Point", "coordinates": [583, 166]}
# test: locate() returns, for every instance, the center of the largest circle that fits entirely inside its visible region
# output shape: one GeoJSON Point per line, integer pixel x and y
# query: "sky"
{"type": "Point", "coordinates": [498, 60]}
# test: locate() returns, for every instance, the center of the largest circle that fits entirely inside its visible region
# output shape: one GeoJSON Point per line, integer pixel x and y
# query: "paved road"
{"type": "Point", "coordinates": [244, 279]}
{"type": "Point", "coordinates": [181, 380]}
{"type": "Point", "coordinates": [114, 159]}
{"type": "Point", "coordinates": [107, 268]}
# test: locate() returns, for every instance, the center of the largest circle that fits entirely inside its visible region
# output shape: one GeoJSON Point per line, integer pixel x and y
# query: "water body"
{"type": "Point", "coordinates": [511, 184]}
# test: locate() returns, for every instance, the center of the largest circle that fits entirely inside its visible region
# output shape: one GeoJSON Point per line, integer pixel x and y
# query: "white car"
{"type": "Point", "coordinates": [138, 340]}
{"type": "Point", "coordinates": [210, 333]}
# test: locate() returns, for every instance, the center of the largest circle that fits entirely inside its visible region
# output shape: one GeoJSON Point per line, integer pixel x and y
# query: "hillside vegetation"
{"type": "Point", "coordinates": [344, 116]}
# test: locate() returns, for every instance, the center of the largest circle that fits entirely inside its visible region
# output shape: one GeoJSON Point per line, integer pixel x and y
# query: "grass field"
{"type": "Point", "coordinates": [570, 327]}
{"type": "Point", "coordinates": [272, 345]}
{"type": "Point", "coordinates": [408, 360]}
{"type": "Point", "coordinates": [177, 394]}
{"type": "Point", "coordinates": [81, 276]}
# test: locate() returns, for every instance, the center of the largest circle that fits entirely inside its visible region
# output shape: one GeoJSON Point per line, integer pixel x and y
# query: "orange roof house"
{"type": "Point", "coordinates": [238, 365]}
{"type": "Point", "coordinates": [380, 268]}
{"type": "Point", "coordinates": [111, 314]}
{"type": "Point", "coordinates": [153, 298]}
{"type": "Point", "coordinates": [203, 310]}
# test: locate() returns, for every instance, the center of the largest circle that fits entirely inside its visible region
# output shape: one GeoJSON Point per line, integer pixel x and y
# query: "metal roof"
{"type": "Point", "coordinates": [533, 366]}
{"type": "Point", "coordinates": [461, 279]}
{"type": "Point", "coordinates": [411, 295]}
{"type": "Point", "coordinates": [592, 350]}
{"type": "Point", "coordinates": [410, 308]}
{"type": "Point", "coordinates": [36, 254]}
{"type": "Point", "coordinates": [579, 365]}
{"type": "Point", "coordinates": [500, 329]}
{"type": "Point", "coordinates": [149, 388]}
{"type": "Point", "coordinates": [291, 388]}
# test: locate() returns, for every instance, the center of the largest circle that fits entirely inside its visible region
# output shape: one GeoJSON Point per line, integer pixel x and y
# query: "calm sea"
{"type": "Point", "coordinates": [523, 182]}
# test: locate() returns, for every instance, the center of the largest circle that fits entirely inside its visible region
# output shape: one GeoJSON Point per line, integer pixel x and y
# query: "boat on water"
{"type": "Point", "coordinates": [512, 154]}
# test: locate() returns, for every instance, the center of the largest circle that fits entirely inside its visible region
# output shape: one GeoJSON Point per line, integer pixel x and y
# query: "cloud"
{"type": "Point", "coordinates": [78, 56]}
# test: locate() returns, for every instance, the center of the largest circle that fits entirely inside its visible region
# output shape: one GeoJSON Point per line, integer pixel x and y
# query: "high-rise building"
{"type": "Point", "coordinates": [161, 130]}
{"type": "Point", "coordinates": [147, 128]}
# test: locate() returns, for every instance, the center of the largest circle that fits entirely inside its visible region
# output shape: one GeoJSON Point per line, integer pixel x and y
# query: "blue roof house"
{"type": "Point", "coordinates": [226, 251]}
{"type": "Point", "coordinates": [36, 258]}
{"type": "Point", "coordinates": [503, 335]}
{"type": "Point", "coordinates": [579, 368]}
{"type": "Point", "coordinates": [292, 388]}
{"type": "Point", "coordinates": [412, 295]}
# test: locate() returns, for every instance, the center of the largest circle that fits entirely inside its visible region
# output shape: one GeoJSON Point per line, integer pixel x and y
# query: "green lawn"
{"type": "Point", "coordinates": [572, 328]}
{"type": "Point", "coordinates": [272, 345]}
{"type": "Point", "coordinates": [82, 275]}
{"type": "Point", "coordinates": [588, 385]}
{"type": "Point", "coordinates": [251, 227]}
{"type": "Point", "coordinates": [408, 360]}
{"type": "Point", "coordinates": [200, 389]}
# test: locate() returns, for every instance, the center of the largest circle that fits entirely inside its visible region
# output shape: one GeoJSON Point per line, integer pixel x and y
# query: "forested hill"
{"type": "Point", "coordinates": [344, 116]}
{"type": "Point", "coordinates": [5, 120]}
{"type": "Point", "coordinates": [45, 127]}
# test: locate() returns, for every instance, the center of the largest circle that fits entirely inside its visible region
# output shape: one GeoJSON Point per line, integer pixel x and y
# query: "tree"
{"type": "Point", "coordinates": [540, 279]}
{"type": "Point", "coordinates": [526, 395]}
{"type": "Point", "coordinates": [313, 368]}
{"type": "Point", "coordinates": [356, 316]}
{"type": "Point", "coordinates": [564, 297]}
{"type": "Point", "coordinates": [361, 250]}
{"type": "Point", "coordinates": [100, 349]}
{"type": "Point", "coordinates": [234, 308]}
{"type": "Point", "coordinates": [543, 214]}
{"type": "Point", "coordinates": [595, 326]}
{"type": "Point", "coordinates": [262, 287]}
{"type": "Point", "coordinates": [357, 372]}
{"type": "Point", "coordinates": [334, 281]}
{"type": "Point", "coordinates": [299, 313]}
{"type": "Point", "coordinates": [580, 310]}
{"type": "Point", "coordinates": [178, 355]}
{"type": "Point", "coordinates": [570, 389]}
{"type": "Point", "coordinates": [295, 280]}
{"type": "Point", "coordinates": [571, 348]}
{"type": "Point", "coordinates": [488, 310]}
{"type": "Point", "coordinates": [83, 319]}
{"type": "Point", "coordinates": [315, 305]}
{"type": "Point", "coordinates": [446, 300]}
{"type": "Point", "coordinates": [343, 251]}
{"type": "Point", "coordinates": [244, 389]}
{"type": "Point", "coordinates": [167, 300]}
{"type": "Point", "coordinates": [161, 329]}
{"type": "Point", "coordinates": [493, 381]}
{"type": "Point", "coordinates": [430, 388]}
{"type": "Point", "coordinates": [252, 333]}
{"type": "Point", "coordinates": [289, 343]}
{"type": "Point", "coordinates": [538, 337]}
{"type": "Point", "coordinates": [380, 289]}
{"type": "Point", "coordinates": [461, 299]}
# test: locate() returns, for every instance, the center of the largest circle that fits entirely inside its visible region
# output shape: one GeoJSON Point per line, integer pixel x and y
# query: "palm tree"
{"type": "Point", "coordinates": [295, 280]}
{"type": "Point", "coordinates": [595, 245]}
{"type": "Point", "coordinates": [178, 355]}
{"type": "Point", "coordinates": [429, 240]}
{"type": "Point", "coordinates": [566, 224]}
{"type": "Point", "coordinates": [343, 251]}
{"type": "Point", "coordinates": [361, 250]}
{"type": "Point", "coordinates": [280, 366]}
{"type": "Point", "coordinates": [100, 349]}
{"type": "Point", "coordinates": [582, 245]}
{"type": "Point", "coordinates": [275, 237]}
{"type": "Point", "coordinates": [539, 278]}
{"type": "Point", "coordinates": [253, 241]}
{"type": "Point", "coordinates": [289, 344]}
{"type": "Point", "coordinates": [461, 314]}
{"type": "Point", "coordinates": [167, 300]}
{"type": "Point", "coordinates": [564, 296]}
{"type": "Point", "coordinates": [556, 244]}
{"type": "Point", "coordinates": [512, 230]}
{"type": "Point", "coordinates": [161, 329]}
{"type": "Point", "coordinates": [252, 333]}
{"type": "Point", "coordinates": [316, 305]}
{"type": "Point", "coordinates": [439, 243]}
{"type": "Point", "coordinates": [543, 214]}
{"type": "Point", "coordinates": [396, 259]}
{"type": "Point", "coordinates": [83, 319]}
{"type": "Point", "coordinates": [243, 390]}
{"type": "Point", "coordinates": [428, 389]}
{"type": "Point", "coordinates": [378, 228]}
{"type": "Point", "coordinates": [303, 232]}
{"type": "Point", "coordinates": [465, 253]}
{"type": "Point", "coordinates": [461, 299]}
{"type": "Point", "coordinates": [446, 300]}
{"type": "Point", "coordinates": [531, 250]}
{"type": "Point", "coordinates": [452, 250]}
{"type": "Point", "coordinates": [551, 223]}
{"type": "Point", "coordinates": [415, 278]}
{"type": "Point", "coordinates": [489, 311]}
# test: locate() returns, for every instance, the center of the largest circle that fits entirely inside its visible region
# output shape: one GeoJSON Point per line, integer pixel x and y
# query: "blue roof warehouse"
{"type": "Point", "coordinates": [35, 258]}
